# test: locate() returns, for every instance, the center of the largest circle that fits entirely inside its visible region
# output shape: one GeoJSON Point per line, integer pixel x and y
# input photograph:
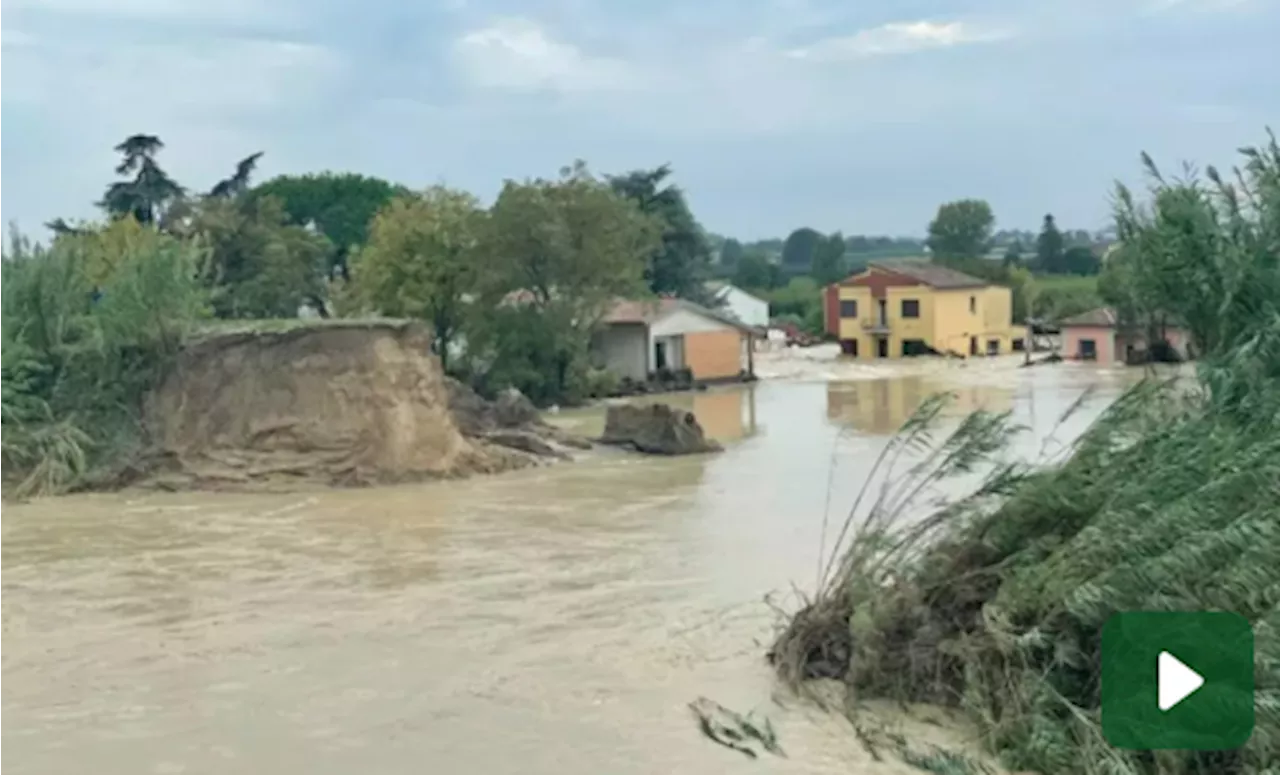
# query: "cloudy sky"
{"type": "Point", "coordinates": [836, 114]}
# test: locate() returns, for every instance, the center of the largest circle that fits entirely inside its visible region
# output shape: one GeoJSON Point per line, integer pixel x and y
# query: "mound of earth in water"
{"type": "Point", "coordinates": [340, 403]}
{"type": "Point", "coordinates": [656, 429]}
{"type": "Point", "coordinates": [511, 420]}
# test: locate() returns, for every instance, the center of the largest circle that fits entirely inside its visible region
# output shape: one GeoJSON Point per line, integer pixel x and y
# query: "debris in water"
{"type": "Point", "coordinates": [734, 730]}
{"type": "Point", "coordinates": [926, 757]}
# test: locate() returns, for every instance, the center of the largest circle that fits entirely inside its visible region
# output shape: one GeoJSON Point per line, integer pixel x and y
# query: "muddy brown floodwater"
{"type": "Point", "coordinates": [548, 621]}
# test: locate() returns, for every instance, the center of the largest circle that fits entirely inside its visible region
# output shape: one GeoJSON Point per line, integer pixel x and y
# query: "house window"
{"type": "Point", "coordinates": [1088, 350]}
{"type": "Point", "coordinates": [993, 347]}
{"type": "Point", "coordinates": [848, 308]}
{"type": "Point", "coordinates": [911, 308]}
{"type": "Point", "coordinates": [973, 305]}
{"type": "Point", "coordinates": [1019, 345]}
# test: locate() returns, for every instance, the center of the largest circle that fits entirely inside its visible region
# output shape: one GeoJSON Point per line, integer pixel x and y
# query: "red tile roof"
{"type": "Point", "coordinates": [931, 274]}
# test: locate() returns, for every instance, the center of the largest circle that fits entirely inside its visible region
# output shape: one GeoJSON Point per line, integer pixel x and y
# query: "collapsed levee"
{"type": "Point", "coordinates": [341, 403]}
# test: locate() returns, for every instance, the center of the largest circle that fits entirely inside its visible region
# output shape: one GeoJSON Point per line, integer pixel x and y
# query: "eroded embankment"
{"type": "Point", "coordinates": [339, 404]}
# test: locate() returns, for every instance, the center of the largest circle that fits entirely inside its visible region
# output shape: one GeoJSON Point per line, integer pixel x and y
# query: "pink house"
{"type": "Point", "coordinates": [1095, 336]}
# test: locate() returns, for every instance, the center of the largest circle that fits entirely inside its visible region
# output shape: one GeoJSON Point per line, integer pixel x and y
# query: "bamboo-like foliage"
{"type": "Point", "coordinates": [1170, 501]}
{"type": "Point", "coordinates": [85, 334]}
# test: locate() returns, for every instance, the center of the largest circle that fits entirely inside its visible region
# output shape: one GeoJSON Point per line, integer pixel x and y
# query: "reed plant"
{"type": "Point", "coordinates": [89, 326]}
{"type": "Point", "coordinates": [1170, 501]}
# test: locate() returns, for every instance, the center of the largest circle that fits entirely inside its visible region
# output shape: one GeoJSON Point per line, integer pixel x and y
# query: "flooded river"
{"type": "Point", "coordinates": [550, 621]}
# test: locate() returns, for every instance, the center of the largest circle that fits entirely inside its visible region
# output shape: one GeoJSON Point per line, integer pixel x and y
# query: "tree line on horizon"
{"type": "Point", "coordinates": [294, 239]}
{"type": "Point", "coordinates": [352, 244]}
{"type": "Point", "coordinates": [963, 229]}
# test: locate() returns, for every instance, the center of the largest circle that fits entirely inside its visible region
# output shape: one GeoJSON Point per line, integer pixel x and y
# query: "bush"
{"type": "Point", "coordinates": [522, 348]}
{"type": "Point", "coordinates": [81, 348]}
{"type": "Point", "coordinates": [800, 301]}
{"type": "Point", "coordinates": [599, 383]}
{"type": "Point", "coordinates": [1062, 296]}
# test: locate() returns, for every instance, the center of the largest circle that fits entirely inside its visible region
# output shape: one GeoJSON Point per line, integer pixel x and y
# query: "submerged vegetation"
{"type": "Point", "coordinates": [1169, 502]}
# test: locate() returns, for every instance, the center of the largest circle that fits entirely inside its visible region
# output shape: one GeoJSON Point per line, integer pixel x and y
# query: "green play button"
{"type": "Point", "coordinates": [1177, 680]}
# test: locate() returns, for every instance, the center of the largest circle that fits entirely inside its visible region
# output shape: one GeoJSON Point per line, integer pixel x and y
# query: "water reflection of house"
{"type": "Point", "coordinates": [881, 406]}
{"type": "Point", "coordinates": [725, 414]}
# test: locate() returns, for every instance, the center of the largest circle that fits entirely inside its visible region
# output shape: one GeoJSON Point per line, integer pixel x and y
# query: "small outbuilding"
{"type": "Point", "coordinates": [1096, 335]}
{"type": "Point", "coordinates": [636, 339]}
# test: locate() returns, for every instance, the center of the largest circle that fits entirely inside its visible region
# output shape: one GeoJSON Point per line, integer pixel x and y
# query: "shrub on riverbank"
{"type": "Point", "coordinates": [87, 328]}
{"type": "Point", "coordinates": [1171, 501]}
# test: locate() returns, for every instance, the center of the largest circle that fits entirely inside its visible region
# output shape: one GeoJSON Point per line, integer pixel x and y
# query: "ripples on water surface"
{"type": "Point", "coordinates": [547, 621]}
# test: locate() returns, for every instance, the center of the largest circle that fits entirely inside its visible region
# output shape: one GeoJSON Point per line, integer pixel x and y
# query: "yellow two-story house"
{"type": "Point", "coordinates": [916, 307]}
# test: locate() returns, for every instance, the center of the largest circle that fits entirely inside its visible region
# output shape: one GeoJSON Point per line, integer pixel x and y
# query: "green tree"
{"type": "Point", "coordinates": [755, 271]}
{"type": "Point", "coordinates": [859, 243]}
{"type": "Point", "coordinates": [238, 182]}
{"type": "Point", "coordinates": [1024, 293]}
{"type": "Point", "coordinates": [256, 264]}
{"type": "Point", "coordinates": [730, 254]}
{"type": "Point", "coordinates": [419, 259]}
{"type": "Point", "coordinates": [341, 205]}
{"type": "Point", "coordinates": [1081, 260]}
{"type": "Point", "coordinates": [1013, 255]}
{"type": "Point", "coordinates": [556, 254]}
{"type": "Point", "coordinates": [1049, 248]}
{"type": "Point", "coordinates": [680, 265]}
{"type": "Point", "coordinates": [799, 248]}
{"type": "Point", "coordinates": [828, 259]}
{"type": "Point", "coordinates": [961, 229]}
{"type": "Point", "coordinates": [150, 189]}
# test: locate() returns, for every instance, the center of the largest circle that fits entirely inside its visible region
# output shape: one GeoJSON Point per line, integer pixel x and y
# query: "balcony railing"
{"type": "Point", "coordinates": [875, 326]}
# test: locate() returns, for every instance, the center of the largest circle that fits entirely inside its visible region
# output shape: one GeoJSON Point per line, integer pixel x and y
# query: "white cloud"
{"type": "Point", "coordinates": [1201, 6]}
{"type": "Point", "coordinates": [212, 101]}
{"type": "Point", "coordinates": [900, 38]}
{"type": "Point", "coordinates": [12, 38]}
{"type": "Point", "coordinates": [155, 10]}
{"type": "Point", "coordinates": [518, 55]}
{"type": "Point", "coordinates": [202, 78]}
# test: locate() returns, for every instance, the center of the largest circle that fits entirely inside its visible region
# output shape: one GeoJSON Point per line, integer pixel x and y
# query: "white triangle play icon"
{"type": "Point", "coordinates": [1174, 680]}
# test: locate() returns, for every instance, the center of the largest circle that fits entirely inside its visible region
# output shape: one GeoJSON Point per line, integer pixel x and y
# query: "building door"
{"type": "Point", "coordinates": [914, 347]}
{"type": "Point", "coordinates": [1088, 350]}
{"type": "Point", "coordinates": [973, 345]}
{"type": "Point", "coordinates": [882, 347]}
{"type": "Point", "coordinates": [993, 347]}
{"type": "Point", "coordinates": [849, 347]}
{"type": "Point", "coordinates": [659, 355]}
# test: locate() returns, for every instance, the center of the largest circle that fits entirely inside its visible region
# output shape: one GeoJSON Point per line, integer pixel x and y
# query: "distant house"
{"type": "Point", "coordinates": [914, 306]}
{"type": "Point", "coordinates": [748, 309]}
{"type": "Point", "coordinates": [638, 338]}
{"type": "Point", "coordinates": [1096, 336]}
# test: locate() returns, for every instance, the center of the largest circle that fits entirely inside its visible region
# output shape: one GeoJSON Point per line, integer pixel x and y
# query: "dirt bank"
{"type": "Point", "coordinates": [340, 403]}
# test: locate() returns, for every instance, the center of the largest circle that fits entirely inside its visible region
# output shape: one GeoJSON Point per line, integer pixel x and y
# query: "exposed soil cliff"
{"type": "Point", "coordinates": [341, 403]}
{"type": "Point", "coordinates": [656, 429]}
